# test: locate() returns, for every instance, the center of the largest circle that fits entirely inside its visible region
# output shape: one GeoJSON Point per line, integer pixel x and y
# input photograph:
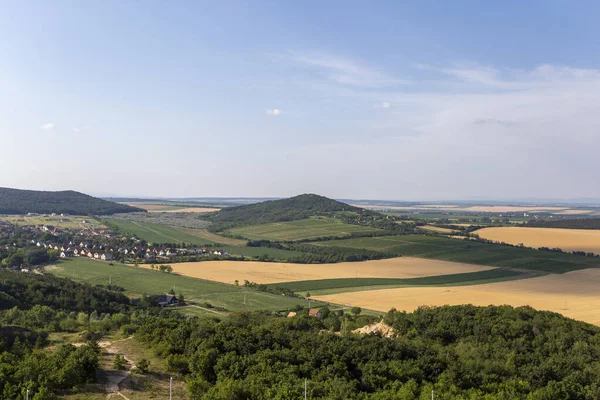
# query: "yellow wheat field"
{"type": "Point", "coordinates": [574, 294]}
{"type": "Point", "coordinates": [567, 239]}
{"type": "Point", "coordinates": [436, 229]}
{"type": "Point", "coordinates": [263, 272]}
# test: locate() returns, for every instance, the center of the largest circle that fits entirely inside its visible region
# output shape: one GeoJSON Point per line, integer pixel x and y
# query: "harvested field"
{"type": "Point", "coordinates": [154, 207]}
{"type": "Point", "coordinates": [263, 272]}
{"type": "Point", "coordinates": [587, 240]}
{"type": "Point", "coordinates": [474, 209]}
{"type": "Point", "coordinates": [575, 212]}
{"type": "Point", "coordinates": [574, 294]}
{"type": "Point", "coordinates": [194, 209]}
{"type": "Point", "coordinates": [436, 229]}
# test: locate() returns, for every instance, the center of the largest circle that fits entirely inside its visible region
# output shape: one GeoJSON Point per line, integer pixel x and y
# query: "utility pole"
{"type": "Point", "coordinates": [27, 395]}
{"type": "Point", "coordinates": [244, 297]}
{"type": "Point", "coordinates": [432, 395]}
{"type": "Point", "coordinates": [171, 388]}
{"type": "Point", "coordinates": [305, 389]}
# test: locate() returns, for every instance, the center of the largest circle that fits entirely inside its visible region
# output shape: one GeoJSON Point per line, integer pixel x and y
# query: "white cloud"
{"type": "Point", "coordinates": [48, 127]}
{"type": "Point", "coordinates": [273, 112]}
{"type": "Point", "coordinates": [386, 104]}
{"type": "Point", "coordinates": [80, 129]}
{"type": "Point", "coordinates": [345, 71]}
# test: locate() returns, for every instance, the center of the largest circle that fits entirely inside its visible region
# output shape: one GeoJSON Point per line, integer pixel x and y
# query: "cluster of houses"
{"type": "Point", "coordinates": [107, 254]}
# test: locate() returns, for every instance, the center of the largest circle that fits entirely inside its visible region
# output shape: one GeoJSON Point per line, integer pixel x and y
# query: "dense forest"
{"type": "Point", "coordinates": [293, 208]}
{"type": "Point", "coordinates": [15, 201]}
{"type": "Point", "coordinates": [459, 352]}
{"type": "Point", "coordinates": [567, 223]}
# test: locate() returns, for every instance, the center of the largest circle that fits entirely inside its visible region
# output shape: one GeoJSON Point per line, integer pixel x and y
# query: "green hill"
{"type": "Point", "coordinates": [15, 201]}
{"type": "Point", "coordinates": [291, 209]}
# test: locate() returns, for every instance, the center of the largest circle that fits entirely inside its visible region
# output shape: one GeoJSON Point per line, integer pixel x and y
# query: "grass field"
{"type": "Point", "coordinates": [327, 286]}
{"type": "Point", "coordinates": [309, 228]}
{"type": "Point", "coordinates": [470, 252]}
{"type": "Point", "coordinates": [201, 233]}
{"type": "Point", "coordinates": [587, 240]}
{"type": "Point", "coordinates": [263, 272]}
{"type": "Point", "coordinates": [137, 281]}
{"type": "Point", "coordinates": [155, 233]}
{"type": "Point", "coordinates": [68, 222]}
{"type": "Point", "coordinates": [574, 294]}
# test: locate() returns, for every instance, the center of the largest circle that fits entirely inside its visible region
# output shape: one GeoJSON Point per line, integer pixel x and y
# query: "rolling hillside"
{"type": "Point", "coordinates": [291, 209]}
{"type": "Point", "coordinates": [15, 201]}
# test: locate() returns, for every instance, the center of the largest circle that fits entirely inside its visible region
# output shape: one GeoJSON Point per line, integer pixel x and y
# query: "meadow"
{"type": "Point", "coordinates": [471, 252]}
{"type": "Point", "coordinates": [573, 294]}
{"type": "Point", "coordinates": [309, 228]}
{"type": "Point", "coordinates": [264, 272]}
{"type": "Point", "coordinates": [155, 233]}
{"type": "Point", "coordinates": [138, 281]}
{"type": "Point", "coordinates": [566, 239]}
{"type": "Point", "coordinates": [68, 222]}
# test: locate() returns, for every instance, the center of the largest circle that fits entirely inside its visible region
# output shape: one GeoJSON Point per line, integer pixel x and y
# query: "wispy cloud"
{"type": "Point", "coordinates": [345, 71]}
{"type": "Point", "coordinates": [273, 112]}
{"type": "Point", "coordinates": [493, 121]}
{"type": "Point", "coordinates": [385, 105]}
{"type": "Point", "coordinates": [80, 129]}
{"type": "Point", "coordinates": [48, 127]}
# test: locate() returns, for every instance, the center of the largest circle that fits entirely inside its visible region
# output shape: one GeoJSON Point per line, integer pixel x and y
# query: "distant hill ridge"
{"type": "Point", "coordinates": [16, 201]}
{"type": "Point", "coordinates": [290, 209]}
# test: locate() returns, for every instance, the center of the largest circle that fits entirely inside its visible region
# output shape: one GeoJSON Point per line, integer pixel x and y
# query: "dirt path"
{"type": "Point", "coordinates": [115, 378]}
{"type": "Point", "coordinates": [206, 309]}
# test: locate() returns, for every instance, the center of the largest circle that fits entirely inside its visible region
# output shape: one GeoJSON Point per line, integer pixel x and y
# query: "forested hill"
{"type": "Point", "coordinates": [570, 223]}
{"type": "Point", "coordinates": [293, 208]}
{"type": "Point", "coordinates": [15, 201]}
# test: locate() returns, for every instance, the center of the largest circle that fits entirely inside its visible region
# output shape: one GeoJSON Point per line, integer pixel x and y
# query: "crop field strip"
{"type": "Point", "coordinates": [573, 294]}
{"type": "Point", "coordinates": [227, 271]}
{"type": "Point", "coordinates": [326, 286]}
{"type": "Point", "coordinates": [298, 230]}
{"type": "Point", "coordinates": [138, 281]}
{"type": "Point", "coordinates": [587, 240]}
{"type": "Point", "coordinates": [155, 233]}
{"type": "Point", "coordinates": [470, 252]}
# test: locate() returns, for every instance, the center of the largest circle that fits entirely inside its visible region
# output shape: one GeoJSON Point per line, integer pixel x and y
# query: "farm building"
{"type": "Point", "coordinates": [166, 300]}
{"type": "Point", "coordinates": [315, 313]}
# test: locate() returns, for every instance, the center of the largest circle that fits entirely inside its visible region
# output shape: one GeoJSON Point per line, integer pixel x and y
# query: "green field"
{"type": "Point", "coordinates": [467, 251]}
{"type": "Point", "coordinates": [154, 233]}
{"type": "Point", "coordinates": [138, 281]}
{"type": "Point", "coordinates": [309, 228]}
{"type": "Point", "coordinates": [328, 286]}
{"type": "Point", "coordinates": [68, 222]}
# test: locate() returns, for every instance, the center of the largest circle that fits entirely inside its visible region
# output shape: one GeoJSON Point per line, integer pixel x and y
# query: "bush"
{"type": "Point", "coordinates": [119, 362]}
{"type": "Point", "coordinates": [143, 365]}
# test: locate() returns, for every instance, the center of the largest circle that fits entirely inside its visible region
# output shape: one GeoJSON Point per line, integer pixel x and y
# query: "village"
{"type": "Point", "coordinates": [79, 240]}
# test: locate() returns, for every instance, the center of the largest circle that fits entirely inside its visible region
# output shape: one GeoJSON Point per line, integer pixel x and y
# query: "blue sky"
{"type": "Point", "coordinates": [385, 100]}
